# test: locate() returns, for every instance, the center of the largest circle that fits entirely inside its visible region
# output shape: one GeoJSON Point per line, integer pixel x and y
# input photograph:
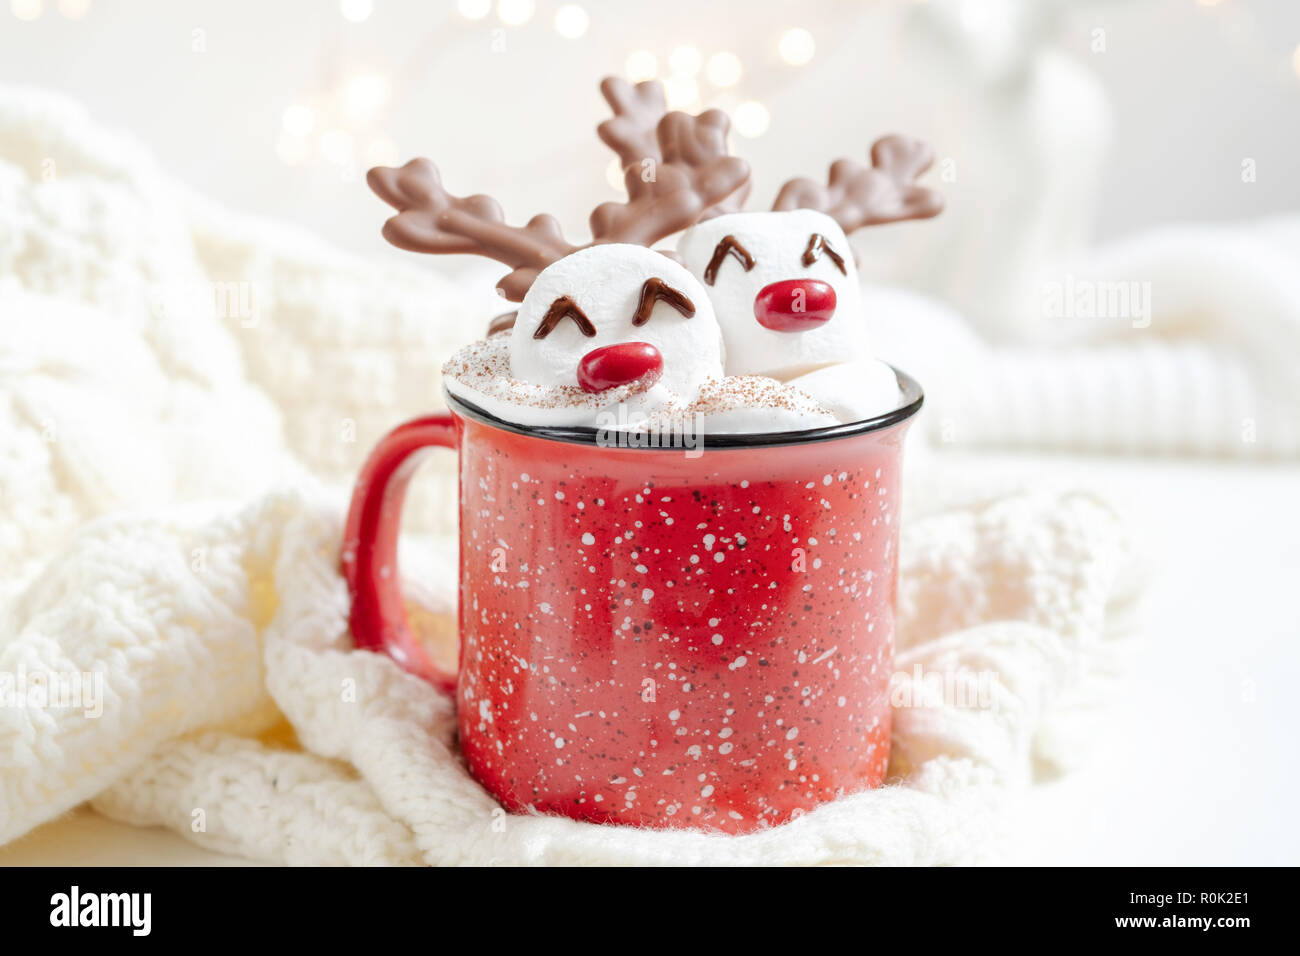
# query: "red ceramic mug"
{"type": "Point", "coordinates": [655, 636]}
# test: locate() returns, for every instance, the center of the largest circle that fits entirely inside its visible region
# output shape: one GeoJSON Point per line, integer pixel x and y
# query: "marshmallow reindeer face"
{"type": "Point", "coordinates": [784, 287]}
{"type": "Point", "coordinates": [613, 315]}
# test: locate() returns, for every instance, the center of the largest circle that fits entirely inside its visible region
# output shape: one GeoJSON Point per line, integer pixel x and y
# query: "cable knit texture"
{"type": "Point", "coordinates": [1181, 341]}
{"type": "Point", "coordinates": [163, 364]}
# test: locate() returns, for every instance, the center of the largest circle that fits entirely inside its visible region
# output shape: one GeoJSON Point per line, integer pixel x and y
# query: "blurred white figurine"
{"type": "Point", "coordinates": [1023, 143]}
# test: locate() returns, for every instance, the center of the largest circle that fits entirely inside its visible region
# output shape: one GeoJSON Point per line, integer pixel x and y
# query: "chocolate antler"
{"type": "Point", "coordinates": [429, 219]}
{"type": "Point", "coordinates": [691, 173]}
{"type": "Point", "coordinates": [630, 132]}
{"type": "Point", "coordinates": [642, 130]}
{"type": "Point", "coordinates": [859, 195]}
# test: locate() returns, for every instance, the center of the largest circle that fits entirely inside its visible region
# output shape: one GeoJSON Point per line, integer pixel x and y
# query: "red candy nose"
{"type": "Point", "coordinates": [794, 305]}
{"type": "Point", "coordinates": [620, 364]}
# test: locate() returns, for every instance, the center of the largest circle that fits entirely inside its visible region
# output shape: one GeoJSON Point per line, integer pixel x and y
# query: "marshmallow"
{"type": "Point", "coordinates": [853, 391]}
{"type": "Point", "coordinates": [605, 282]}
{"type": "Point", "coordinates": [751, 404]}
{"type": "Point", "coordinates": [777, 242]}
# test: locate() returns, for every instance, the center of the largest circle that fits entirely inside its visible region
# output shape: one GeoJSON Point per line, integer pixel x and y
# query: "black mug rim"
{"type": "Point", "coordinates": [912, 400]}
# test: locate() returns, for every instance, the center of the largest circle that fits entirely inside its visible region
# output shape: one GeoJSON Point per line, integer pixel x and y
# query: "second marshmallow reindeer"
{"type": "Point", "coordinates": [783, 283]}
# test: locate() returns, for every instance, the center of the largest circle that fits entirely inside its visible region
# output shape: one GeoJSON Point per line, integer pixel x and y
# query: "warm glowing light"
{"type": "Point", "coordinates": [474, 9]}
{"type": "Point", "coordinates": [26, 9]}
{"type": "Point", "coordinates": [364, 94]}
{"type": "Point", "coordinates": [685, 60]}
{"type": "Point", "coordinates": [515, 13]}
{"type": "Point", "coordinates": [681, 92]}
{"type": "Point", "coordinates": [1295, 61]}
{"type": "Point", "coordinates": [642, 65]}
{"type": "Point", "coordinates": [1209, 3]}
{"type": "Point", "coordinates": [796, 46]}
{"type": "Point", "coordinates": [291, 149]}
{"type": "Point", "coordinates": [73, 9]}
{"type": "Point", "coordinates": [614, 174]}
{"type": "Point", "coordinates": [571, 21]}
{"type": "Point", "coordinates": [724, 69]}
{"type": "Point", "coordinates": [356, 11]}
{"type": "Point", "coordinates": [381, 152]}
{"type": "Point", "coordinates": [751, 119]}
{"type": "Point", "coordinates": [336, 146]}
{"type": "Point", "coordinates": [298, 120]}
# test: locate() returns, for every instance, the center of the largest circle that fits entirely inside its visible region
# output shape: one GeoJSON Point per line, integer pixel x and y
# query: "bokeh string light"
{"type": "Point", "coordinates": [26, 9]}
{"type": "Point", "coordinates": [641, 65]}
{"type": "Point", "coordinates": [515, 13]}
{"type": "Point", "coordinates": [685, 61]}
{"type": "Point", "coordinates": [343, 122]}
{"type": "Point", "coordinates": [751, 119]}
{"type": "Point", "coordinates": [356, 11]}
{"type": "Point", "coordinates": [474, 9]}
{"type": "Point", "coordinates": [336, 145]}
{"type": "Point", "coordinates": [796, 46]}
{"type": "Point", "coordinates": [693, 77]}
{"type": "Point", "coordinates": [724, 69]}
{"type": "Point", "coordinates": [364, 94]}
{"type": "Point", "coordinates": [681, 92]}
{"type": "Point", "coordinates": [299, 120]}
{"type": "Point", "coordinates": [571, 21]}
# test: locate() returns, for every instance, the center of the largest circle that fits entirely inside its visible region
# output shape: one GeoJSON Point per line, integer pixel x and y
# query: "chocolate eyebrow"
{"type": "Point", "coordinates": [656, 290]}
{"type": "Point", "coordinates": [729, 246]}
{"type": "Point", "coordinates": [561, 308]}
{"type": "Point", "coordinates": [817, 245]}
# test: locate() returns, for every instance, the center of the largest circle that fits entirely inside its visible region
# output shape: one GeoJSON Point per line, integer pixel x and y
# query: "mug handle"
{"type": "Point", "coordinates": [369, 556]}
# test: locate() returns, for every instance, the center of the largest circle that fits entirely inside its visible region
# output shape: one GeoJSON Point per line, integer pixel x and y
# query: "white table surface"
{"type": "Point", "coordinates": [1204, 768]}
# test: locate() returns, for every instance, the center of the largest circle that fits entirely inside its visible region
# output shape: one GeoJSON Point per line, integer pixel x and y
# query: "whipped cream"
{"type": "Point", "coordinates": [851, 391]}
{"type": "Point", "coordinates": [755, 403]}
{"type": "Point", "coordinates": [738, 404]}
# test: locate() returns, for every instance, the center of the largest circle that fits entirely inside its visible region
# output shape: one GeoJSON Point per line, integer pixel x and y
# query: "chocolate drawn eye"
{"type": "Point", "coordinates": [656, 290]}
{"type": "Point", "coordinates": [817, 247]}
{"type": "Point", "coordinates": [729, 246]}
{"type": "Point", "coordinates": [561, 308]}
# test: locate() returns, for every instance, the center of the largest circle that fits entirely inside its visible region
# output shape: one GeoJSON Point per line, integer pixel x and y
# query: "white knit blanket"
{"type": "Point", "coordinates": [184, 398]}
